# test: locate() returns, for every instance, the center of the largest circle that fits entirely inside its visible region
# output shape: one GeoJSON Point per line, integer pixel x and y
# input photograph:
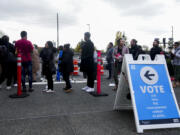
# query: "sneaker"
{"type": "Point", "coordinates": [68, 90]}
{"type": "Point", "coordinates": [50, 91]}
{"type": "Point", "coordinates": [85, 88]}
{"type": "Point", "coordinates": [44, 90]}
{"type": "Point", "coordinates": [31, 89]}
{"type": "Point", "coordinates": [15, 85]}
{"type": "Point", "coordinates": [8, 87]}
{"type": "Point", "coordinates": [90, 90]}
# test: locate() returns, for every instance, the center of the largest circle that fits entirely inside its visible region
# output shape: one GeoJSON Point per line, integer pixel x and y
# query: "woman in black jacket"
{"type": "Point", "coordinates": [9, 67]}
{"type": "Point", "coordinates": [67, 66]}
{"type": "Point", "coordinates": [48, 66]}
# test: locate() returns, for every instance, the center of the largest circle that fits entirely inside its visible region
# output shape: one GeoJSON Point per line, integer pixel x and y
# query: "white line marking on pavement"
{"type": "Point", "coordinates": [62, 82]}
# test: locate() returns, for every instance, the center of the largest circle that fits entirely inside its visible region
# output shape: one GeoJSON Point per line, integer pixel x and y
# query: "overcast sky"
{"type": "Point", "coordinates": [140, 19]}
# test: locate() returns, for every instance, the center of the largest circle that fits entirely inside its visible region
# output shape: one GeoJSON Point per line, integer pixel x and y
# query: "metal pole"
{"type": "Point", "coordinates": [88, 27]}
{"type": "Point", "coordinates": [57, 30]}
{"type": "Point", "coordinates": [172, 34]}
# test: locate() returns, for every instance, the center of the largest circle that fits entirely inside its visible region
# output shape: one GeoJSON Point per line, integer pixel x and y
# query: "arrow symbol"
{"type": "Point", "coordinates": [148, 76]}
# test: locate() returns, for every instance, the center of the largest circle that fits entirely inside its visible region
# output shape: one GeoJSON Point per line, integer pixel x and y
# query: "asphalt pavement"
{"type": "Point", "coordinates": [76, 113]}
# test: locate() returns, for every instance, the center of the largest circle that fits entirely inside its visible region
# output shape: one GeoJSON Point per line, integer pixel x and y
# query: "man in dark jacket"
{"type": "Point", "coordinates": [155, 49]}
{"type": "Point", "coordinates": [135, 49]}
{"type": "Point", "coordinates": [87, 62]}
{"type": "Point", "coordinates": [66, 66]}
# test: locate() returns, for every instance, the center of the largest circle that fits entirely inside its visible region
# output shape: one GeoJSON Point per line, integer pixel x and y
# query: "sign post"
{"type": "Point", "coordinates": [152, 96]}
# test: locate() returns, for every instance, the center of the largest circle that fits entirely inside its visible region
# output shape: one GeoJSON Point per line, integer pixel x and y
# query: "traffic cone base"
{"type": "Point", "coordinates": [95, 94]}
{"type": "Point", "coordinates": [23, 95]}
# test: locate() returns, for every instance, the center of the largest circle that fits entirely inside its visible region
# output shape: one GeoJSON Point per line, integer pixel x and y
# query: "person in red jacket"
{"type": "Point", "coordinates": [25, 47]}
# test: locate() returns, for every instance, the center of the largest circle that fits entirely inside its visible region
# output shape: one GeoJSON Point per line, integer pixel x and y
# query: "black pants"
{"type": "Point", "coordinates": [90, 79]}
{"type": "Point", "coordinates": [4, 73]}
{"type": "Point", "coordinates": [49, 80]}
{"type": "Point", "coordinates": [7, 73]}
{"type": "Point", "coordinates": [15, 73]}
{"type": "Point", "coordinates": [110, 69]}
{"type": "Point", "coordinates": [66, 79]}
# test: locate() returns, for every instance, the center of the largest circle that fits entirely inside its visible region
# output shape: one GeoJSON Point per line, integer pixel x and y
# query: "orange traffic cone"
{"type": "Point", "coordinates": [76, 68]}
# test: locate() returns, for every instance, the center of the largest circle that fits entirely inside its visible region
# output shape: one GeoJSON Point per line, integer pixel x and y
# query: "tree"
{"type": "Point", "coordinates": [78, 47]}
{"type": "Point", "coordinates": [1, 33]}
{"type": "Point", "coordinates": [145, 48]}
{"type": "Point", "coordinates": [120, 35]}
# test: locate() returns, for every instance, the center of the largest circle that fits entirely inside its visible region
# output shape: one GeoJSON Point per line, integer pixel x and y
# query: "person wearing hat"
{"type": "Point", "coordinates": [176, 63]}
{"type": "Point", "coordinates": [66, 66]}
{"type": "Point", "coordinates": [87, 62]}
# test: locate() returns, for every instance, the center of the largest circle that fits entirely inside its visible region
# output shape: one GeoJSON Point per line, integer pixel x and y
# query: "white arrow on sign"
{"type": "Point", "coordinates": [149, 75]}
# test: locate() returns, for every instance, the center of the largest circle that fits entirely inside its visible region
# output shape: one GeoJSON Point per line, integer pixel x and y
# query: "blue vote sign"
{"type": "Point", "coordinates": [154, 99]}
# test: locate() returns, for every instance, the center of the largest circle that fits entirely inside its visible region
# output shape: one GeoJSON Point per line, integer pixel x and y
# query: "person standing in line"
{"type": "Point", "coordinates": [118, 55]}
{"type": "Point", "coordinates": [66, 66]}
{"type": "Point", "coordinates": [109, 58]}
{"type": "Point", "coordinates": [11, 61]}
{"type": "Point", "coordinates": [25, 47]}
{"type": "Point", "coordinates": [59, 74]}
{"type": "Point", "coordinates": [48, 66]}
{"type": "Point", "coordinates": [87, 62]}
{"type": "Point", "coordinates": [3, 61]}
{"type": "Point", "coordinates": [35, 62]}
{"type": "Point", "coordinates": [155, 49]}
{"type": "Point", "coordinates": [135, 49]}
{"type": "Point", "coordinates": [176, 63]}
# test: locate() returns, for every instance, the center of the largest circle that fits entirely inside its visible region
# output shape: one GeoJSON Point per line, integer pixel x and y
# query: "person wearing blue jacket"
{"type": "Point", "coordinates": [59, 74]}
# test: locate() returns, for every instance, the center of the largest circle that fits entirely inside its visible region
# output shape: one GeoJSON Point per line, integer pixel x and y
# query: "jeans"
{"type": "Point", "coordinates": [26, 69]}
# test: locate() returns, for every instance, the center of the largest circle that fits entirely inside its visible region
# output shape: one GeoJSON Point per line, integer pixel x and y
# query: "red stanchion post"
{"type": "Point", "coordinates": [98, 93]}
{"type": "Point", "coordinates": [98, 72]}
{"type": "Point", "coordinates": [19, 91]}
